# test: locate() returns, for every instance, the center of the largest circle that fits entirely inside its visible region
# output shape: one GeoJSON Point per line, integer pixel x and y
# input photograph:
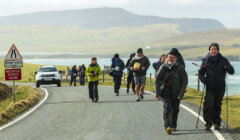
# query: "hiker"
{"type": "Point", "coordinates": [179, 56]}
{"type": "Point", "coordinates": [157, 64]}
{"type": "Point", "coordinates": [130, 78]}
{"type": "Point", "coordinates": [82, 70]}
{"type": "Point", "coordinates": [74, 74]}
{"type": "Point", "coordinates": [117, 67]}
{"type": "Point", "coordinates": [93, 71]}
{"type": "Point", "coordinates": [139, 65]}
{"type": "Point", "coordinates": [171, 83]}
{"type": "Point", "coordinates": [212, 74]}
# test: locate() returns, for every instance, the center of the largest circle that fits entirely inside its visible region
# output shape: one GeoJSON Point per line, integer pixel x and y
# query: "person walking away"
{"type": "Point", "coordinates": [82, 70]}
{"type": "Point", "coordinates": [117, 67]}
{"type": "Point", "coordinates": [139, 65]}
{"type": "Point", "coordinates": [171, 83]}
{"type": "Point", "coordinates": [74, 74]}
{"type": "Point", "coordinates": [93, 71]}
{"type": "Point", "coordinates": [212, 74]}
{"type": "Point", "coordinates": [157, 64]}
{"type": "Point", "coordinates": [130, 78]}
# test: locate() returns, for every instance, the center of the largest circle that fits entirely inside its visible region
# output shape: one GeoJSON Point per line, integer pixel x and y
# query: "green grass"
{"type": "Point", "coordinates": [26, 97]}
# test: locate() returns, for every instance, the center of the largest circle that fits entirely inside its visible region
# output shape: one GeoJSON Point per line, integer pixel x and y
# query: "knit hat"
{"type": "Point", "coordinates": [140, 51]}
{"type": "Point", "coordinates": [116, 55]}
{"type": "Point", "coordinates": [214, 44]}
{"type": "Point", "coordinates": [174, 52]}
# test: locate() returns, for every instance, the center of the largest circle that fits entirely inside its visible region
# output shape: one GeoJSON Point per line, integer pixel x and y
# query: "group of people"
{"type": "Point", "coordinates": [171, 82]}
{"type": "Point", "coordinates": [74, 72]}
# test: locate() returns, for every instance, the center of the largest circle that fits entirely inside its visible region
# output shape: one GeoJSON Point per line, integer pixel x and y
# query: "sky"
{"type": "Point", "coordinates": [226, 11]}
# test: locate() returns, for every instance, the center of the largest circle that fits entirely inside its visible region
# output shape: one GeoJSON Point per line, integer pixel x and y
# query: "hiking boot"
{"type": "Point", "coordinates": [169, 130]}
{"type": "Point", "coordinates": [174, 129]}
{"type": "Point", "coordinates": [208, 127]}
{"type": "Point", "coordinates": [95, 100]}
{"type": "Point", "coordinates": [141, 96]}
{"type": "Point", "coordinates": [216, 127]}
{"type": "Point", "coordinates": [127, 91]}
{"type": "Point", "coordinates": [138, 99]}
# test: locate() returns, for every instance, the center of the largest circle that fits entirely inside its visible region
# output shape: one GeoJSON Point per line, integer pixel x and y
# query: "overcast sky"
{"type": "Point", "coordinates": [226, 11]}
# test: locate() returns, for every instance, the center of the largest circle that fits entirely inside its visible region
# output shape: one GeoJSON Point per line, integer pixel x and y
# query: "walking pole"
{"type": "Point", "coordinates": [227, 102]}
{"type": "Point", "coordinates": [200, 106]}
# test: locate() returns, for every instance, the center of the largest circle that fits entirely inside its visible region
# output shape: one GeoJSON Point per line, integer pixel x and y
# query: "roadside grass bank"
{"type": "Point", "coordinates": [26, 97]}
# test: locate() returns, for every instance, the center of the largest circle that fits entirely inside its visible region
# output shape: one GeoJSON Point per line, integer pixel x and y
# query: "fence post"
{"type": "Point", "coordinates": [103, 76]}
{"type": "Point", "coordinates": [150, 81]}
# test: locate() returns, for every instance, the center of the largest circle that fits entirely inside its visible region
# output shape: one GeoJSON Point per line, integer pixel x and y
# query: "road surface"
{"type": "Point", "coordinates": [68, 114]}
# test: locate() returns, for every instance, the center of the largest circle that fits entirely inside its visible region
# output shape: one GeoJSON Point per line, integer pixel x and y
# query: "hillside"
{"type": "Point", "coordinates": [102, 18]}
{"type": "Point", "coordinates": [190, 43]}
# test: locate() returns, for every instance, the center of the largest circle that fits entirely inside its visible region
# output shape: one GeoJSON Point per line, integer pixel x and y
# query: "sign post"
{"type": "Point", "coordinates": [13, 60]}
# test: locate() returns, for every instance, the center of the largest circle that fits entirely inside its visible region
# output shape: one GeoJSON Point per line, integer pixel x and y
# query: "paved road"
{"type": "Point", "coordinates": [69, 114]}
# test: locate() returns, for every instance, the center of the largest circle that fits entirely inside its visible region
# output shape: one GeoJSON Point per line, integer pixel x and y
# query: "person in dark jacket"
{"type": "Point", "coordinates": [179, 56]}
{"type": "Point", "coordinates": [82, 70]}
{"type": "Point", "coordinates": [139, 65]}
{"type": "Point", "coordinates": [74, 74]}
{"type": "Point", "coordinates": [212, 74]}
{"type": "Point", "coordinates": [157, 65]}
{"type": "Point", "coordinates": [117, 67]}
{"type": "Point", "coordinates": [130, 78]}
{"type": "Point", "coordinates": [171, 83]}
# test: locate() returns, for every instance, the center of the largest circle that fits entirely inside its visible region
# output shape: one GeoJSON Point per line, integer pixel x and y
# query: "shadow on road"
{"type": "Point", "coordinates": [190, 132]}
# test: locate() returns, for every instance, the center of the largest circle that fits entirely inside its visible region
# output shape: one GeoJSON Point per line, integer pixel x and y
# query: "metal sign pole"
{"type": "Point", "coordinates": [13, 89]}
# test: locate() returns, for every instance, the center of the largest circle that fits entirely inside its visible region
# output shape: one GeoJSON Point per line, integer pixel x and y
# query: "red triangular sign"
{"type": "Point", "coordinates": [13, 54]}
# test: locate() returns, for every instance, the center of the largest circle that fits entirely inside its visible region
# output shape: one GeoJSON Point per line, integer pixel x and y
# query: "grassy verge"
{"type": "Point", "coordinates": [26, 97]}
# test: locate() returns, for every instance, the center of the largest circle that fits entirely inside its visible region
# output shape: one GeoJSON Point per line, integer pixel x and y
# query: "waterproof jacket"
{"type": "Point", "coordinates": [157, 65]}
{"type": "Point", "coordinates": [82, 70]}
{"type": "Point", "coordinates": [117, 63]}
{"type": "Point", "coordinates": [74, 72]}
{"type": "Point", "coordinates": [143, 62]}
{"type": "Point", "coordinates": [213, 71]}
{"type": "Point", "coordinates": [129, 71]}
{"type": "Point", "coordinates": [176, 77]}
{"type": "Point", "coordinates": [91, 69]}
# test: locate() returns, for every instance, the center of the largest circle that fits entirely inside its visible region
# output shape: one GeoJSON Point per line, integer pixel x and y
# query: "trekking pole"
{"type": "Point", "coordinates": [200, 106]}
{"type": "Point", "coordinates": [227, 101]}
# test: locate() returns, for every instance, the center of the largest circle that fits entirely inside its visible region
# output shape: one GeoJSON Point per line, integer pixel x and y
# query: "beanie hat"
{"type": "Point", "coordinates": [116, 55]}
{"type": "Point", "coordinates": [174, 52]}
{"type": "Point", "coordinates": [214, 44]}
{"type": "Point", "coordinates": [140, 51]}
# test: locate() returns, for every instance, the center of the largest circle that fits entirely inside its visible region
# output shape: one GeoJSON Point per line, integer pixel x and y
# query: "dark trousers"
{"type": "Point", "coordinates": [117, 82]}
{"type": "Point", "coordinates": [82, 79]}
{"type": "Point", "coordinates": [93, 90]}
{"type": "Point", "coordinates": [73, 79]}
{"type": "Point", "coordinates": [171, 110]}
{"type": "Point", "coordinates": [130, 79]}
{"type": "Point", "coordinates": [212, 105]}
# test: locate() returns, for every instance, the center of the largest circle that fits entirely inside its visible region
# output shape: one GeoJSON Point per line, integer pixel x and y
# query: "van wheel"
{"type": "Point", "coordinates": [37, 85]}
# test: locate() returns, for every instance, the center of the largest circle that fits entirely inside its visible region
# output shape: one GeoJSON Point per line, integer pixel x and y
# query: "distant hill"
{"type": "Point", "coordinates": [195, 45]}
{"type": "Point", "coordinates": [102, 18]}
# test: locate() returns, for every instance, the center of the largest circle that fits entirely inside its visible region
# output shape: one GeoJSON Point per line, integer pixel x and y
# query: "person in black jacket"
{"type": "Point", "coordinates": [139, 65]}
{"type": "Point", "coordinates": [82, 70]}
{"type": "Point", "coordinates": [130, 78]}
{"type": "Point", "coordinates": [212, 74]}
{"type": "Point", "coordinates": [117, 67]}
{"type": "Point", "coordinates": [171, 83]}
{"type": "Point", "coordinates": [74, 74]}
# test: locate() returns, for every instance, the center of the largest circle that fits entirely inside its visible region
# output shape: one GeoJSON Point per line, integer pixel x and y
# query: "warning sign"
{"type": "Point", "coordinates": [13, 74]}
{"type": "Point", "coordinates": [13, 54]}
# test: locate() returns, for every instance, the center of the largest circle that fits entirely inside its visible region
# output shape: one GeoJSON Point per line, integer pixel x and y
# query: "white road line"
{"type": "Point", "coordinates": [27, 113]}
{"type": "Point", "coordinates": [215, 132]}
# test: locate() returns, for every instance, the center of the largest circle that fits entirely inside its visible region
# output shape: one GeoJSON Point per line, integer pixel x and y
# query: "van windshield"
{"type": "Point", "coordinates": [48, 69]}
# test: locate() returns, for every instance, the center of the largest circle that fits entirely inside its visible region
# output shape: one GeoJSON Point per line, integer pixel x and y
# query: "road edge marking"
{"type": "Point", "coordinates": [26, 113]}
